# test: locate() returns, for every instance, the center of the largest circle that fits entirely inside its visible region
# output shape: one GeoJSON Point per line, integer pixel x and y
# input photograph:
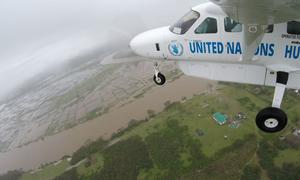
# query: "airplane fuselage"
{"type": "Point", "coordinates": [276, 48]}
{"type": "Point", "coordinates": [206, 40]}
{"type": "Point", "coordinates": [206, 43]}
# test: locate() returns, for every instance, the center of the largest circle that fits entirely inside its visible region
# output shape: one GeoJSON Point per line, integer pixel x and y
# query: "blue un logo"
{"type": "Point", "coordinates": [175, 48]}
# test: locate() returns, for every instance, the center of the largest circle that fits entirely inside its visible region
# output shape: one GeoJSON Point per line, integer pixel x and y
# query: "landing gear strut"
{"type": "Point", "coordinates": [273, 119]}
{"type": "Point", "coordinates": [158, 77]}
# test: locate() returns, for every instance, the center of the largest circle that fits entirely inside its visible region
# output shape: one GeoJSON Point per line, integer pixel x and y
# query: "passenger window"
{"type": "Point", "coordinates": [232, 26]}
{"type": "Point", "coordinates": [209, 25]}
{"type": "Point", "coordinates": [269, 29]}
{"type": "Point", "coordinates": [293, 27]}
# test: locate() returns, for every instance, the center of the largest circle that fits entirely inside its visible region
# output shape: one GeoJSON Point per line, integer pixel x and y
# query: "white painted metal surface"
{"type": "Point", "coordinates": [278, 95]}
{"type": "Point", "coordinates": [228, 56]}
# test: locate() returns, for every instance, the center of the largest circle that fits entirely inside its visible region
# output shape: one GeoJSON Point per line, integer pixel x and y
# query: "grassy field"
{"type": "Point", "coordinates": [48, 172]}
{"type": "Point", "coordinates": [173, 136]}
{"type": "Point", "coordinates": [288, 156]}
{"type": "Point", "coordinates": [96, 164]}
{"type": "Point", "coordinates": [197, 115]}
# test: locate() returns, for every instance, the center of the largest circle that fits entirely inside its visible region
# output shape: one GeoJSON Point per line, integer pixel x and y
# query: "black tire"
{"type": "Point", "coordinates": [271, 120]}
{"type": "Point", "coordinates": [160, 79]}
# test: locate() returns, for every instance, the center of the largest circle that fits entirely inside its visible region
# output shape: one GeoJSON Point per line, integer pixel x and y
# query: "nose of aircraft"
{"type": "Point", "coordinates": [138, 45]}
{"type": "Point", "coordinates": [149, 44]}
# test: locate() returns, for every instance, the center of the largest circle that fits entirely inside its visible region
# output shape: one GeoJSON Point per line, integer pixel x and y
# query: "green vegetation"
{"type": "Point", "coordinates": [132, 124]}
{"type": "Point", "coordinates": [287, 156]}
{"type": "Point", "coordinates": [184, 142]}
{"type": "Point", "coordinates": [124, 160]}
{"type": "Point", "coordinates": [228, 163]}
{"type": "Point", "coordinates": [87, 150]}
{"type": "Point", "coordinates": [91, 166]}
{"type": "Point", "coordinates": [11, 175]}
{"type": "Point", "coordinates": [267, 153]}
{"type": "Point", "coordinates": [251, 172]}
{"type": "Point", "coordinates": [68, 175]}
{"type": "Point", "coordinates": [173, 151]}
{"type": "Point", "coordinates": [48, 172]}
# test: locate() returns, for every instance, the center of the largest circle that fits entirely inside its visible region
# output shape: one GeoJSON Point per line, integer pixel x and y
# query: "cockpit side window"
{"type": "Point", "coordinates": [185, 23]}
{"type": "Point", "coordinates": [232, 26]}
{"type": "Point", "coordinates": [293, 27]}
{"type": "Point", "coordinates": [208, 26]}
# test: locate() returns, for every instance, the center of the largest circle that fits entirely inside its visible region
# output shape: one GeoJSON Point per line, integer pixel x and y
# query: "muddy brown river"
{"type": "Point", "coordinates": [65, 143]}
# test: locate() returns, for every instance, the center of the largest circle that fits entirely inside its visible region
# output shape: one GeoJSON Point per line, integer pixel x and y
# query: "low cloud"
{"type": "Point", "coordinates": [39, 35]}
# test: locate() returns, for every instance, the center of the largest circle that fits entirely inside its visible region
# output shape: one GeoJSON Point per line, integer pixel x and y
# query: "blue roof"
{"type": "Point", "coordinates": [220, 118]}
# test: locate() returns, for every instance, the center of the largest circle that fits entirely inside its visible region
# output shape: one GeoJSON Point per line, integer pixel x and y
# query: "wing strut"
{"type": "Point", "coordinates": [253, 35]}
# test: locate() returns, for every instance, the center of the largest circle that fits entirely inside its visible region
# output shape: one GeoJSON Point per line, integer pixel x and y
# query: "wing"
{"type": "Point", "coordinates": [256, 15]}
{"type": "Point", "coordinates": [261, 12]}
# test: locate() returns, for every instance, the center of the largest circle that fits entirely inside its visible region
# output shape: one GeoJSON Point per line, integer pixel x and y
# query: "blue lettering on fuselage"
{"type": "Point", "coordinates": [265, 49]}
{"type": "Point", "coordinates": [233, 48]}
{"type": "Point", "coordinates": [206, 47]}
{"type": "Point", "coordinates": [292, 52]}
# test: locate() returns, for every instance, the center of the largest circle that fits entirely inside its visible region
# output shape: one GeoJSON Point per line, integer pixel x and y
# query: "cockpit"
{"type": "Point", "coordinates": [208, 26]}
{"type": "Point", "coordinates": [185, 23]}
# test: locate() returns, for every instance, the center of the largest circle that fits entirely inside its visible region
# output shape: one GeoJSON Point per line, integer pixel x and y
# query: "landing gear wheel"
{"type": "Point", "coordinates": [160, 79]}
{"type": "Point", "coordinates": [271, 120]}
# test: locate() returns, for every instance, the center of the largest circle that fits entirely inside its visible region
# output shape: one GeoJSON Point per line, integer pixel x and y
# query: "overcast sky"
{"type": "Point", "coordinates": [39, 34]}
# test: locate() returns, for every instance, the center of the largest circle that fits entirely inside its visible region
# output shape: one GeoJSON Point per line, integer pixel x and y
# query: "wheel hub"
{"type": "Point", "coordinates": [158, 80]}
{"type": "Point", "coordinates": [271, 123]}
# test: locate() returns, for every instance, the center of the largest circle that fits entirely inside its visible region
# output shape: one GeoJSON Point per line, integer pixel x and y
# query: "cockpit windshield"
{"type": "Point", "coordinates": [185, 23]}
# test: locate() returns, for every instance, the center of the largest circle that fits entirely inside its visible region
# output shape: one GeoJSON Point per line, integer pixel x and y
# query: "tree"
{"type": "Point", "coordinates": [124, 160]}
{"type": "Point", "coordinates": [86, 150]}
{"type": "Point", "coordinates": [251, 172]}
{"type": "Point", "coordinates": [266, 154]}
{"type": "Point", "coordinates": [68, 175]}
{"type": "Point", "coordinates": [287, 171]}
{"type": "Point", "coordinates": [12, 175]}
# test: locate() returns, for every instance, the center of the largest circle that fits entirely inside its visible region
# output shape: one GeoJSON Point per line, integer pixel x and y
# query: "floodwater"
{"type": "Point", "coordinates": [65, 143]}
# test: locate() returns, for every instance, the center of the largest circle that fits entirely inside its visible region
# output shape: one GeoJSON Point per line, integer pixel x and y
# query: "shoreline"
{"type": "Point", "coordinates": [54, 147]}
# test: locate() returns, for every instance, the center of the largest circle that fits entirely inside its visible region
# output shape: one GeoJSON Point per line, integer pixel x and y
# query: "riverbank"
{"type": "Point", "coordinates": [65, 143]}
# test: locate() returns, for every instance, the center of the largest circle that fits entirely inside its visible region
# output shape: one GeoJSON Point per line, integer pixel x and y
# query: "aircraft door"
{"type": "Point", "coordinates": [205, 38]}
{"type": "Point", "coordinates": [232, 38]}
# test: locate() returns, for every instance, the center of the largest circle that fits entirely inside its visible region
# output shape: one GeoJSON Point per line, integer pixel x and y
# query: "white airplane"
{"type": "Point", "coordinates": [253, 42]}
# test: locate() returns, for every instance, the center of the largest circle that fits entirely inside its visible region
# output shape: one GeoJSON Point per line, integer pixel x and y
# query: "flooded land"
{"type": "Point", "coordinates": [52, 148]}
